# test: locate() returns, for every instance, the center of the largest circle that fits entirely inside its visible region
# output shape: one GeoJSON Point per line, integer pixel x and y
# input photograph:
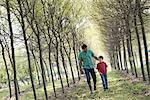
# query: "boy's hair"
{"type": "Point", "coordinates": [101, 57]}
{"type": "Point", "coordinates": [84, 46]}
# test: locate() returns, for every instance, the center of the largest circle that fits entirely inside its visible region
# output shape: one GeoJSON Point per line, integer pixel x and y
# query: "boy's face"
{"type": "Point", "coordinates": [100, 59]}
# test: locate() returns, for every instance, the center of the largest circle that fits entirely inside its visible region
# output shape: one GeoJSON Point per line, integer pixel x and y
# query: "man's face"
{"type": "Point", "coordinates": [85, 49]}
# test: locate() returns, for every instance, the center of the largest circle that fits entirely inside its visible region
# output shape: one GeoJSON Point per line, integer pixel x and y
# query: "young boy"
{"type": "Point", "coordinates": [102, 68]}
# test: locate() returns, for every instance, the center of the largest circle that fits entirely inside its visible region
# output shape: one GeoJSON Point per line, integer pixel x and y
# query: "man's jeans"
{"type": "Point", "coordinates": [87, 74]}
{"type": "Point", "coordinates": [104, 81]}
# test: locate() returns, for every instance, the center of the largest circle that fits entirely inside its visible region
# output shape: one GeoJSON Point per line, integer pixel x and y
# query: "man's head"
{"type": "Point", "coordinates": [101, 58]}
{"type": "Point", "coordinates": [84, 47]}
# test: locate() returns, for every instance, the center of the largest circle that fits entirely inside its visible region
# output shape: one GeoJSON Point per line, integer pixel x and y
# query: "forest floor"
{"type": "Point", "coordinates": [121, 87]}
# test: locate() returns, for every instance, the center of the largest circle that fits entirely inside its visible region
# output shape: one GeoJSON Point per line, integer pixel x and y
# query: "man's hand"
{"type": "Point", "coordinates": [80, 65]}
{"type": "Point", "coordinates": [81, 71]}
{"type": "Point", "coordinates": [95, 57]}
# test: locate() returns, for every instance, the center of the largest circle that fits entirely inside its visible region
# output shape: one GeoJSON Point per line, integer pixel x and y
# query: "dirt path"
{"type": "Point", "coordinates": [121, 88]}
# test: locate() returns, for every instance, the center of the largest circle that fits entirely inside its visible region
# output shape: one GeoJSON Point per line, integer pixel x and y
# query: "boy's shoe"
{"type": "Point", "coordinates": [105, 89]}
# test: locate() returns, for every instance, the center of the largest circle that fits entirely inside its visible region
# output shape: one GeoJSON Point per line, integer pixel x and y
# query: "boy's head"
{"type": "Point", "coordinates": [101, 58]}
{"type": "Point", "coordinates": [84, 47]}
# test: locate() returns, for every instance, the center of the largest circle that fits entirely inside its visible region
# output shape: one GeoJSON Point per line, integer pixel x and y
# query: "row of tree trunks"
{"type": "Point", "coordinates": [33, 32]}
{"type": "Point", "coordinates": [27, 48]}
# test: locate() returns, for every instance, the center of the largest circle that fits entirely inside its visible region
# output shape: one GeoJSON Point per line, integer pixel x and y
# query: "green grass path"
{"type": "Point", "coordinates": [121, 88]}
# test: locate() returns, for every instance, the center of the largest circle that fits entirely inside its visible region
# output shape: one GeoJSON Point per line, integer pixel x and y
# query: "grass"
{"type": "Point", "coordinates": [29, 95]}
{"type": "Point", "coordinates": [121, 88]}
{"type": "Point", "coordinates": [4, 93]}
{"type": "Point", "coordinates": [139, 72]}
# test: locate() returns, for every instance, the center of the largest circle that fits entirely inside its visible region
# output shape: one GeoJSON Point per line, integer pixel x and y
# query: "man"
{"type": "Point", "coordinates": [86, 62]}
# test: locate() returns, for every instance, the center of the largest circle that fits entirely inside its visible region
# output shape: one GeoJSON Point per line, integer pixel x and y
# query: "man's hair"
{"type": "Point", "coordinates": [84, 46]}
{"type": "Point", "coordinates": [101, 57]}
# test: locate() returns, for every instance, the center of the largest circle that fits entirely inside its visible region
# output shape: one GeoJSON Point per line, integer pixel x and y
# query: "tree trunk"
{"type": "Point", "coordinates": [70, 64]}
{"type": "Point", "coordinates": [64, 64]}
{"type": "Point", "coordinates": [144, 37]}
{"type": "Point", "coordinates": [74, 51]}
{"type": "Point", "coordinates": [12, 48]}
{"type": "Point", "coordinates": [57, 52]}
{"type": "Point", "coordinates": [47, 70]}
{"type": "Point", "coordinates": [117, 59]}
{"type": "Point", "coordinates": [41, 62]}
{"type": "Point", "coordinates": [120, 58]}
{"type": "Point", "coordinates": [11, 61]}
{"type": "Point", "coordinates": [114, 60]}
{"type": "Point", "coordinates": [27, 49]}
{"type": "Point", "coordinates": [8, 76]}
{"type": "Point", "coordinates": [50, 64]}
{"type": "Point", "coordinates": [58, 66]}
{"type": "Point", "coordinates": [125, 57]}
{"type": "Point", "coordinates": [132, 55]}
{"type": "Point", "coordinates": [37, 66]}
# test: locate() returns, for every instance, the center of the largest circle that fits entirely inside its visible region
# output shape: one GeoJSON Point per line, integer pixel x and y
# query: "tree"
{"type": "Point", "coordinates": [12, 49]}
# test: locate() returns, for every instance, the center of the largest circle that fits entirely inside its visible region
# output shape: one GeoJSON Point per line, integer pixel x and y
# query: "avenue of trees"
{"type": "Point", "coordinates": [124, 24]}
{"type": "Point", "coordinates": [40, 41]}
{"type": "Point", "coordinates": [48, 35]}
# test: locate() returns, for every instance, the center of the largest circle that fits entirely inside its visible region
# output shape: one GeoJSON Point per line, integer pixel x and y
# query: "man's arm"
{"type": "Point", "coordinates": [80, 65]}
{"type": "Point", "coordinates": [94, 55]}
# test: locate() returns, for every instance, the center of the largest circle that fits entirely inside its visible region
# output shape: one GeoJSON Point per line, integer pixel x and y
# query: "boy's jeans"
{"type": "Point", "coordinates": [104, 81]}
{"type": "Point", "coordinates": [87, 74]}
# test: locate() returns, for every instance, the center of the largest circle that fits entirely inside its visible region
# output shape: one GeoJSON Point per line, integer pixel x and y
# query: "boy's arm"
{"type": "Point", "coordinates": [106, 65]}
{"type": "Point", "coordinates": [97, 66]}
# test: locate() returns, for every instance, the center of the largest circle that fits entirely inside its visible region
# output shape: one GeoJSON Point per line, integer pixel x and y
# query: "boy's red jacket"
{"type": "Point", "coordinates": [102, 67]}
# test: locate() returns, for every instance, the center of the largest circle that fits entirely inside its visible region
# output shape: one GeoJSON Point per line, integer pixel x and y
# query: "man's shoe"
{"type": "Point", "coordinates": [94, 91]}
{"type": "Point", "coordinates": [94, 87]}
{"type": "Point", "coordinates": [91, 92]}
